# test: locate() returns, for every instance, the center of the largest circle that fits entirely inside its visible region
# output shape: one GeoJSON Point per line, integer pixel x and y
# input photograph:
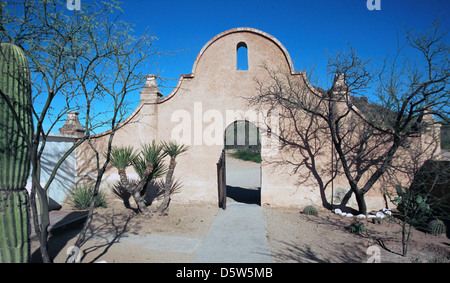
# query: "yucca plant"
{"type": "Point", "coordinates": [81, 197]}
{"type": "Point", "coordinates": [150, 160]}
{"type": "Point", "coordinates": [149, 166]}
{"type": "Point", "coordinates": [16, 130]}
{"type": "Point", "coordinates": [119, 190]}
{"type": "Point", "coordinates": [160, 184]}
{"type": "Point", "coordinates": [121, 158]}
{"type": "Point", "coordinates": [172, 149]}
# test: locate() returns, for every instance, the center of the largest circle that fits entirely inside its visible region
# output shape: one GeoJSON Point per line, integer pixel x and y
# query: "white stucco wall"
{"type": "Point", "coordinates": [56, 146]}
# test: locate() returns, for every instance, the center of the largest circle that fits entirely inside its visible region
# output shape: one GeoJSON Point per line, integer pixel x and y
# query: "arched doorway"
{"type": "Point", "coordinates": [243, 163]}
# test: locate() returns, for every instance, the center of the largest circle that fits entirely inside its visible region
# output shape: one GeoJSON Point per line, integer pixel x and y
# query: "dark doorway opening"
{"type": "Point", "coordinates": [243, 163]}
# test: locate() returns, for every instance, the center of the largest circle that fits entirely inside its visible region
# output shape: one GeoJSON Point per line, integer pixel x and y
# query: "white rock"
{"type": "Point", "coordinates": [349, 215]}
{"type": "Point", "coordinates": [380, 214]}
{"type": "Point", "coordinates": [360, 216]}
{"type": "Point", "coordinates": [371, 216]}
{"type": "Point", "coordinates": [338, 211]}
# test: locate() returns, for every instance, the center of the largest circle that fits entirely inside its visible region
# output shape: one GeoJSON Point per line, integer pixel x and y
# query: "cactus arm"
{"type": "Point", "coordinates": [14, 114]}
{"type": "Point", "coordinates": [16, 131]}
{"type": "Point", "coordinates": [14, 207]}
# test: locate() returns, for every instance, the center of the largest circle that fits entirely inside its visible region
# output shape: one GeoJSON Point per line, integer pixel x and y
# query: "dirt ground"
{"type": "Point", "coordinates": [120, 235]}
{"type": "Point", "coordinates": [115, 233]}
{"type": "Point", "coordinates": [295, 237]}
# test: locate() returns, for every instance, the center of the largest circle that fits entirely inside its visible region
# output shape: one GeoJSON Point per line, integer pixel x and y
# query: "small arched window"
{"type": "Point", "coordinates": [242, 56]}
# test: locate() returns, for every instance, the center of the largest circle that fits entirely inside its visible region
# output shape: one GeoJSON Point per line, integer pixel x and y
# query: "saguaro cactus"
{"type": "Point", "coordinates": [16, 129]}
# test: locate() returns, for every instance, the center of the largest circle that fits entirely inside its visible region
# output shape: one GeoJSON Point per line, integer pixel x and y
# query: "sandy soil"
{"type": "Point", "coordinates": [120, 235]}
{"type": "Point", "coordinates": [295, 237]}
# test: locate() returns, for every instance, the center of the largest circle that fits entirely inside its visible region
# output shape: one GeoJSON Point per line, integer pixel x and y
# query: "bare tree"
{"type": "Point", "coordinates": [427, 198]}
{"type": "Point", "coordinates": [368, 137]}
{"type": "Point", "coordinates": [114, 78]}
{"type": "Point", "coordinates": [300, 133]}
{"type": "Point", "coordinates": [85, 60]}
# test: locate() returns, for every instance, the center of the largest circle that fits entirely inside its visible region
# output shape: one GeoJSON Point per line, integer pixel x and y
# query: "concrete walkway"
{"type": "Point", "coordinates": [60, 219]}
{"type": "Point", "coordinates": [237, 235]}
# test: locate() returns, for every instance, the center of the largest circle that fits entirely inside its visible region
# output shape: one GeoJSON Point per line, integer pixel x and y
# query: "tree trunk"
{"type": "Point", "coordinates": [135, 191]}
{"type": "Point", "coordinates": [361, 201]}
{"type": "Point", "coordinates": [406, 232]}
{"type": "Point", "coordinates": [140, 202]}
{"type": "Point", "coordinates": [167, 187]}
{"type": "Point", "coordinates": [346, 198]}
{"type": "Point", "coordinates": [123, 178]}
{"type": "Point", "coordinates": [41, 220]}
{"type": "Point", "coordinates": [74, 255]}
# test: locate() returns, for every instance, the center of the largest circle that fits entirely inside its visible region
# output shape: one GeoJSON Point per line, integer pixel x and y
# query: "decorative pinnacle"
{"type": "Point", "coordinates": [150, 92]}
{"type": "Point", "coordinates": [72, 125]}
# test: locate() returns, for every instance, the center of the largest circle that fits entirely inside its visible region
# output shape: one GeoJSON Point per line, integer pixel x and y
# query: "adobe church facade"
{"type": "Point", "coordinates": [200, 108]}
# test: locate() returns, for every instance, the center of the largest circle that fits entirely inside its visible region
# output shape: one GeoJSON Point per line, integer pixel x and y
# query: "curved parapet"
{"type": "Point", "coordinates": [219, 54]}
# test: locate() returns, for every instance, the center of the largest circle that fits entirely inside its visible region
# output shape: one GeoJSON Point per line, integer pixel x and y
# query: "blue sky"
{"type": "Point", "coordinates": [307, 28]}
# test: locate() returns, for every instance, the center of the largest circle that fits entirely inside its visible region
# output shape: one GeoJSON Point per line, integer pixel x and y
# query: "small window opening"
{"type": "Point", "coordinates": [242, 56]}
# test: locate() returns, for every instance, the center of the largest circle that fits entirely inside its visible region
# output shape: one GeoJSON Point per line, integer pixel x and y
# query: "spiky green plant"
{"type": "Point", "coordinates": [357, 227]}
{"type": "Point", "coordinates": [148, 164]}
{"type": "Point", "coordinates": [81, 197]}
{"type": "Point", "coordinates": [16, 130]}
{"type": "Point", "coordinates": [121, 158]}
{"type": "Point", "coordinates": [151, 154]}
{"type": "Point", "coordinates": [310, 210]}
{"type": "Point", "coordinates": [437, 227]}
{"type": "Point", "coordinates": [172, 149]}
{"type": "Point", "coordinates": [120, 191]}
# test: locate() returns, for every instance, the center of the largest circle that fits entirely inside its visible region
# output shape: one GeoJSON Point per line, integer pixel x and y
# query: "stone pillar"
{"type": "Point", "coordinates": [72, 126]}
{"type": "Point", "coordinates": [339, 86]}
{"type": "Point", "coordinates": [339, 95]}
{"type": "Point", "coordinates": [148, 123]}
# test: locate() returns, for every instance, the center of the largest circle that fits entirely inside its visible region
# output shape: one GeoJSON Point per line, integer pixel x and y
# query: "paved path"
{"type": "Point", "coordinates": [237, 235]}
{"type": "Point", "coordinates": [61, 219]}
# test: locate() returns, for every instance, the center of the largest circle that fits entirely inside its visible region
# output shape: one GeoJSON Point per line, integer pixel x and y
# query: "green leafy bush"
{"type": "Point", "coordinates": [80, 197]}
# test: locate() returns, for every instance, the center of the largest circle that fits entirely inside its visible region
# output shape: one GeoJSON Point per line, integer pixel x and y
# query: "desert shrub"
{"type": "Point", "coordinates": [357, 227]}
{"type": "Point", "coordinates": [81, 197]}
{"type": "Point", "coordinates": [310, 210]}
{"type": "Point", "coordinates": [247, 155]}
